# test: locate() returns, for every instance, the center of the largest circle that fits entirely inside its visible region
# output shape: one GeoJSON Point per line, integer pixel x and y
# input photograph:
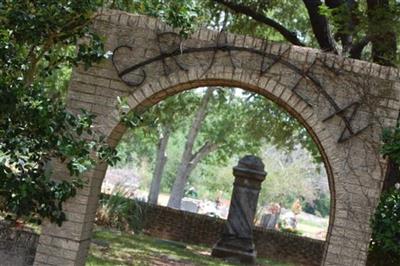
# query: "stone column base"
{"type": "Point", "coordinates": [234, 254]}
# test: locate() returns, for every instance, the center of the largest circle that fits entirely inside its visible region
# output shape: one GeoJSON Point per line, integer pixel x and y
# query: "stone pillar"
{"type": "Point", "coordinates": [68, 245]}
{"type": "Point", "coordinates": [237, 237]}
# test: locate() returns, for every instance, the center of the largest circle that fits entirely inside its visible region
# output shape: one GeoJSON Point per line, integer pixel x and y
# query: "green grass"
{"type": "Point", "coordinates": [311, 228]}
{"type": "Point", "coordinates": [126, 249]}
{"type": "Point", "coordinates": [322, 225]}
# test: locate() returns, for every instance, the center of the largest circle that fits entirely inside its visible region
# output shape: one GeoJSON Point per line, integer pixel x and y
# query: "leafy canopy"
{"type": "Point", "coordinates": [36, 42]}
{"type": "Point", "coordinates": [385, 240]}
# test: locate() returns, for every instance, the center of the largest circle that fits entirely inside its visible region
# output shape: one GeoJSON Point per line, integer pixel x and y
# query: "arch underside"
{"type": "Point", "coordinates": [332, 98]}
{"type": "Point", "coordinates": [119, 130]}
{"type": "Point", "coordinates": [270, 87]}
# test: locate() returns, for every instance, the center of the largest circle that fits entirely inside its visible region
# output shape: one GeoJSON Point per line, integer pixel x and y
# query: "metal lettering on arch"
{"type": "Point", "coordinates": [175, 49]}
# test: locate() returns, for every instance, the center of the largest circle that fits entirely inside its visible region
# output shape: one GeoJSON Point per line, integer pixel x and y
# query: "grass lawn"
{"type": "Point", "coordinates": [110, 248]}
{"type": "Point", "coordinates": [313, 229]}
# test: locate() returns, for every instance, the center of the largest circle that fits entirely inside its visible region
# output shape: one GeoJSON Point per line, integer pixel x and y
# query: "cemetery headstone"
{"type": "Point", "coordinates": [236, 242]}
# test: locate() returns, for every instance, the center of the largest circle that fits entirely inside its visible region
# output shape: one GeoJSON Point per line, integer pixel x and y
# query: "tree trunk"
{"type": "Point", "coordinates": [347, 24]}
{"type": "Point", "coordinates": [180, 180]}
{"type": "Point", "coordinates": [177, 196]}
{"type": "Point", "coordinates": [236, 7]}
{"type": "Point", "coordinates": [205, 150]}
{"type": "Point", "coordinates": [384, 41]}
{"type": "Point", "coordinates": [161, 160]}
{"type": "Point", "coordinates": [320, 26]}
{"type": "Point", "coordinates": [178, 188]}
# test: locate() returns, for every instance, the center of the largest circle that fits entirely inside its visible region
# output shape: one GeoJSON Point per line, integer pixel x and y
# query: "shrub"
{"type": "Point", "coordinates": [385, 241]}
{"type": "Point", "coordinates": [119, 211]}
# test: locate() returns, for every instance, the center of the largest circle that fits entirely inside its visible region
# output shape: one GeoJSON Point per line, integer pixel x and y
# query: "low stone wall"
{"type": "Point", "coordinates": [167, 223]}
{"type": "Point", "coordinates": [17, 247]}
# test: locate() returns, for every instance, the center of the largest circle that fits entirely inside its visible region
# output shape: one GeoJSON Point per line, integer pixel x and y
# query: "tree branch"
{"type": "Point", "coordinates": [320, 26]}
{"type": "Point", "coordinates": [290, 36]}
{"type": "Point", "coordinates": [184, 167]}
{"type": "Point", "coordinates": [200, 115]}
{"type": "Point", "coordinates": [35, 58]}
{"type": "Point", "coordinates": [357, 48]}
{"type": "Point", "coordinates": [348, 23]}
{"type": "Point", "coordinates": [206, 149]}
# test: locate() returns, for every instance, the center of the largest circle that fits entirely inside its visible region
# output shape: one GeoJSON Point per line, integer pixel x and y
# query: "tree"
{"type": "Point", "coordinates": [265, 120]}
{"type": "Point", "coordinates": [233, 122]}
{"type": "Point", "coordinates": [362, 30]}
{"type": "Point", "coordinates": [170, 115]}
{"type": "Point", "coordinates": [385, 240]}
{"type": "Point", "coordinates": [189, 158]}
{"type": "Point", "coordinates": [155, 126]}
{"type": "Point", "coordinates": [161, 160]}
{"type": "Point", "coordinates": [36, 40]}
{"type": "Point", "coordinates": [228, 123]}
{"type": "Point", "coordinates": [365, 30]}
{"type": "Point", "coordinates": [188, 15]}
{"type": "Point", "coordinates": [338, 26]}
{"type": "Point", "coordinates": [298, 172]}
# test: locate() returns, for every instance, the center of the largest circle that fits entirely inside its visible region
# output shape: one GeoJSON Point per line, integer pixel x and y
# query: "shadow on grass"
{"type": "Point", "coordinates": [127, 249]}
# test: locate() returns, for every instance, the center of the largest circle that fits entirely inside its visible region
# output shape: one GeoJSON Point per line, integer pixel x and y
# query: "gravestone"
{"type": "Point", "coordinates": [269, 220]}
{"type": "Point", "coordinates": [189, 206]}
{"type": "Point", "coordinates": [236, 242]}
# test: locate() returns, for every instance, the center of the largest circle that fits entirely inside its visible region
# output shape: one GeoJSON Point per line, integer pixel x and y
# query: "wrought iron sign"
{"type": "Point", "coordinates": [170, 46]}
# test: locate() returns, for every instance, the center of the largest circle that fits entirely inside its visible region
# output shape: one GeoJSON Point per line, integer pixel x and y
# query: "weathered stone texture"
{"type": "Point", "coordinates": [237, 237]}
{"type": "Point", "coordinates": [17, 247]}
{"type": "Point", "coordinates": [343, 103]}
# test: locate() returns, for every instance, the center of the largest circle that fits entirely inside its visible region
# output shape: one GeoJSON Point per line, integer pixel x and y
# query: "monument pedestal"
{"type": "Point", "coordinates": [229, 253]}
{"type": "Point", "coordinates": [236, 241]}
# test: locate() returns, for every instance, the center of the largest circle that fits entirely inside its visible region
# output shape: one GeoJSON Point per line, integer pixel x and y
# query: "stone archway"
{"type": "Point", "coordinates": [343, 103]}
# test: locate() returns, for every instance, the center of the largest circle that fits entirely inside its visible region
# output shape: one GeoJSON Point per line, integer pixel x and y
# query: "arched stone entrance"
{"type": "Point", "coordinates": [343, 103]}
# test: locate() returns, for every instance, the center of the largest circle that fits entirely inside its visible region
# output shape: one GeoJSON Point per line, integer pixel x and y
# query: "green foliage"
{"type": "Point", "coordinates": [238, 122]}
{"type": "Point", "coordinates": [290, 13]}
{"type": "Point", "coordinates": [211, 180]}
{"type": "Point", "coordinates": [391, 143]}
{"type": "Point", "coordinates": [146, 126]}
{"type": "Point", "coordinates": [183, 14]}
{"type": "Point", "coordinates": [283, 227]}
{"type": "Point", "coordinates": [371, 22]}
{"type": "Point", "coordinates": [119, 211]}
{"type": "Point", "coordinates": [348, 17]}
{"type": "Point", "coordinates": [290, 176]}
{"type": "Point", "coordinates": [38, 42]}
{"type": "Point", "coordinates": [320, 206]}
{"type": "Point", "coordinates": [267, 120]}
{"type": "Point", "coordinates": [225, 127]}
{"type": "Point", "coordinates": [385, 241]}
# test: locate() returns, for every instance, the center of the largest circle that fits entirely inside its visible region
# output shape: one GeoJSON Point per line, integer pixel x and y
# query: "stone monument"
{"type": "Point", "coordinates": [270, 218]}
{"type": "Point", "coordinates": [236, 242]}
